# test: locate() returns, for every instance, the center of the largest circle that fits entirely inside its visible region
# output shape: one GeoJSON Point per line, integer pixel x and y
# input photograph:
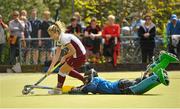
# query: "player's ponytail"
{"type": "Point", "coordinates": [58, 26]}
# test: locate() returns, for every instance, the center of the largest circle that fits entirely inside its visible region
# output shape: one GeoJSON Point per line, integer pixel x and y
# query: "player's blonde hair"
{"type": "Point", "coordinates": [58, 26]}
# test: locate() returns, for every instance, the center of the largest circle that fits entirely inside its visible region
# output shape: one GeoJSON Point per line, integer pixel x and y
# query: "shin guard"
{"type": "Point", "coordinates": [145, 85]}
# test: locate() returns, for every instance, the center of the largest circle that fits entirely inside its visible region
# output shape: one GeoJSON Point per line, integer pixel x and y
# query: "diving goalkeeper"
{"type": "Point", "coordinates": [154, 75]}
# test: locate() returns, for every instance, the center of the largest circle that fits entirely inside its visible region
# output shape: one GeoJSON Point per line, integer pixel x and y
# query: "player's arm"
{"type": "Point", "coordinates": [71, 52]}
{"type": "Point", "coordinates": [90, 87]}
{"type": "Point", "coordinates": [55, 59]}
{"type": "Point", "coordinates": [77, 90]}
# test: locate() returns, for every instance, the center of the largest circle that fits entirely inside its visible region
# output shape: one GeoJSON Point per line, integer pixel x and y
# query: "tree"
{"type": "Point", "coordinates": [62, 9]}
{"type": "Point", "coordinates": [161, 11]}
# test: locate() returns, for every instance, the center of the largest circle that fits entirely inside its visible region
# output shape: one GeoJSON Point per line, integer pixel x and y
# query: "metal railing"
{"type": "Point", "coordinates": [130, 50]}
{"type": "Point", "coordinates": [42, 47]}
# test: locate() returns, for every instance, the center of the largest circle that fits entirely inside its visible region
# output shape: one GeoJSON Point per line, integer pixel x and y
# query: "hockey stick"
{"type": "Point", "coordinates": [27, 90]}
{"type": "Point", "coordinates": [39, 87]}
{"type": "Point", "coordinates": [65, 89]}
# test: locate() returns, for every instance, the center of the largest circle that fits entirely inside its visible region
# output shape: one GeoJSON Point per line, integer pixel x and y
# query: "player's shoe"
{"type": "Point", "coordinates": [55, 92]}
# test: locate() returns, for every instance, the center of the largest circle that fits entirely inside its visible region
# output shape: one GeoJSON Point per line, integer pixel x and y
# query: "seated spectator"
{"type": "Point", "coordinates": [173, 28]}
{"type": "Point", "coordinates": [110, 34]}
{"type": "Point", "coordinates": [136, 23]}
{"type": "Point", "coordinates": [80, 22]}
{"type": "Point", "coordinates": [74, 28]}
{"type": "Point", "coordinates": [92, 39]}
{"type": "Point", "coordinates": [125, 28]}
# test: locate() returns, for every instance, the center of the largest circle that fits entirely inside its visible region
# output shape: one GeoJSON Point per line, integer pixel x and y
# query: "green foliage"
{"type": "Point", "coordinates": [8, 6]}
{"type": "Point", "coordinates": [5, 55]}
{"type": "Point", "coordinates": [161, 11]}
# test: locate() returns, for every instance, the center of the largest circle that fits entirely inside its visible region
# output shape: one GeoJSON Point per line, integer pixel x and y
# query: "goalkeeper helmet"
{"type": "Point", "coordinates": [89, 75]}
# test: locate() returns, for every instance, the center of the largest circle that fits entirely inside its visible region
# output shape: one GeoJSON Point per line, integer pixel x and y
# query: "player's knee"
{"type": "Point", "coordinates": [123, 83]}
{"type": "Point", "coordinates": [62, 74]}
{"type": "Point", "coordinates": [126, 91]}
{"type": "Point", "coordinates": [137, 80]}
{"type": "Point", "coordinates": [65, 68]}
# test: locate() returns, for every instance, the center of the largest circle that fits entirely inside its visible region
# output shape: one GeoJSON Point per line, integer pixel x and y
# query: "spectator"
{"type": "Point", "coordinates": [23, 13]}
{"type": "Point", "coordinates": [26, 24]}
{"type": "Point", "coordinates": [110, 34]}
{"type": "Point", "coordinates": [92, 39]}
{"type": "Point", "coordinates": [35, 24]}
{"type": "Point", "coordinates": [136, 23]}
{"type": "Point", "coordinates": [74, 28]}
{"type": "Point", "coordinates": [125, 28]}
{"type": "Point", "coordinates": [27, 31]}
{"type": "Point", "coordinates": [3, 26]}
{"type": "Point", "coordinates": [173, 28]}
{"type": "Point", "coordinates": [16, 32]}
{"type": "Point", "coordinates": [42, 33]}
{"type": "Point", "coordinates": [80, 22]}
{"type": "Point", "coordinates": [147, 32]}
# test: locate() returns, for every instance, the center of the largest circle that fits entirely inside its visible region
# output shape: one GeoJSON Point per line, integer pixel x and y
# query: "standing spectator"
{"type": "Point", "coordinates": [92, 39]}
{"type": "Point", "coordinates": [110, 34]}
{"type": "Point", "coordinates": [74, 28]}
{"type": "Point", "coordinates": [26, 23]}
{"type": "Point", "coordinates": [43, 33]}
{"type": "Point", "coordinates": [3, 26]}
{"type": "Point", "coordinates": [147, 32]}
{"type": "Point", "coordinates": [27, 31]}
{"type": "Point", "coordinates": [35, 24]}
{"type": "Point", "coordinates": [16, 32]}
{"type": "Point", "coordinates": [173, 28]}
{"type": "Point", "coordinates": [136, 23]}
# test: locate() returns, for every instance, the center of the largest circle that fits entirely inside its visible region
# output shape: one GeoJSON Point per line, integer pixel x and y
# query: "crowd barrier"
{"type": "Point", "coordinates": [130, 50]}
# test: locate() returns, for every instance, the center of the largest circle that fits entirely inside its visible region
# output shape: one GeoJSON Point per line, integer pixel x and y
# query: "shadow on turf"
{"type": "Point", "coordinates": [150, 95]}
{"type": "Point", "coordinates": [87, 95]}
{"type": "Point", "coordinates": [43, 95]}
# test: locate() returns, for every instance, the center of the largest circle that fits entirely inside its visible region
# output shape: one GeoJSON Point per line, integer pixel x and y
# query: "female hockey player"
{"type": "Point", "coordinates": [72, 60]}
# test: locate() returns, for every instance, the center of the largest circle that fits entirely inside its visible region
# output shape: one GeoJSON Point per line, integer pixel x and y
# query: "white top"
{"type": "Point", "coordinates": [66, 38]}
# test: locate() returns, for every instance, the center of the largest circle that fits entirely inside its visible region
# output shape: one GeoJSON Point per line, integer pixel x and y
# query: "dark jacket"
{"type": "Point", "coordinates": [150, 41]}
{"type": "Point", "coordinates": [35, 24]}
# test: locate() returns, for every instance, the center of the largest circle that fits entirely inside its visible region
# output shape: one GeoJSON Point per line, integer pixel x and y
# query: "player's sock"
{"type": "Point", "coordinates": [145, 85]}
{"type": "Point", "coordinates": [76, 74]}
{"type": "Point", "coordinates": [61, 79]}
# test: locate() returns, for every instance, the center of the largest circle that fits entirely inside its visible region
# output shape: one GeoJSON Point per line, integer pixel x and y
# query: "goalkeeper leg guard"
{"type": "Point", "coordinates": [145, 85]}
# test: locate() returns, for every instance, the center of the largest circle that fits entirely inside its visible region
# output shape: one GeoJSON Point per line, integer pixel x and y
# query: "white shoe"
{"type": "Point", "coordinates": [55, 92]}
